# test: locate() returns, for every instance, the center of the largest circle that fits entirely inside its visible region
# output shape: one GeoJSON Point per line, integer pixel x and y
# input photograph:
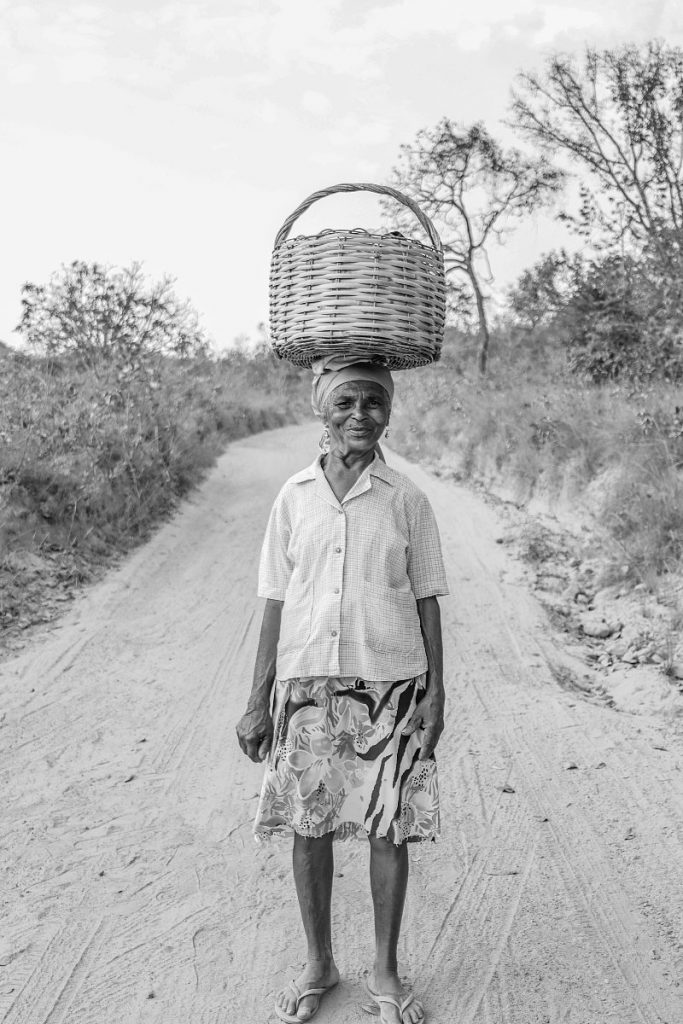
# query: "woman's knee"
{"type": "Point", "coordinates": [383, 847]}
{"type": "Point", "coordinates": [312, 847]}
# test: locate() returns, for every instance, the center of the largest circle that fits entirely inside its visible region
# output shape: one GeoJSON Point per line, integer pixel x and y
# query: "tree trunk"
{"type": "Point", "coordinates": [483, 354]}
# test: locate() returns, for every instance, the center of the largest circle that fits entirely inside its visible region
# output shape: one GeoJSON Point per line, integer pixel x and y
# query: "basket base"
{"type": "Point", "coordinates": [306, 354]}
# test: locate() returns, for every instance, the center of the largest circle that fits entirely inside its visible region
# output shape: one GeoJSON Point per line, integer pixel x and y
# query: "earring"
{"type": "Point", "coordinates": [386, 432]}
{"type": "Point", "coordinates": [324, 442]}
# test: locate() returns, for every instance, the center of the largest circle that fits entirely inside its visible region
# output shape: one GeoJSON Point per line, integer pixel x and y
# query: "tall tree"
{"type": "Point", "coordinates": [618, 114]}
{"type": "Point", "coordinates": [473, 190]}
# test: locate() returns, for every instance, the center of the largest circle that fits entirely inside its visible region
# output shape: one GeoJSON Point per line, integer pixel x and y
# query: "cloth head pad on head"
{"type": "Point", "coordinates": [332, 371]}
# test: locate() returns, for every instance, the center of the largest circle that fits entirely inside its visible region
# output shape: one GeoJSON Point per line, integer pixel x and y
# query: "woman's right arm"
{"type": "Point", "coordinates": [255, 727]}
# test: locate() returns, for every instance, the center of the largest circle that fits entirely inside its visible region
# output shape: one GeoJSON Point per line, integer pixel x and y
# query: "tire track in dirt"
{"type": "Point", "coordinates": [59, 974]}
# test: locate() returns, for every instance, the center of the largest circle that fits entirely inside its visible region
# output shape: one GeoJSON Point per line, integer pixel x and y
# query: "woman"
{"type": "Point", "coordinates": [348, 697]}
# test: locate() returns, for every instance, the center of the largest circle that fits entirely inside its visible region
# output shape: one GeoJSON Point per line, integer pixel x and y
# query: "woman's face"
{"type": "Point", "coordinates": [357, 414]}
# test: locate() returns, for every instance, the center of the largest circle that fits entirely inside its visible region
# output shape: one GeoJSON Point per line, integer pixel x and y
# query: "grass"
{"type": "Point", "coordinates": [92, 458]}
{"type": "Point", "coordinates": [533, 430]}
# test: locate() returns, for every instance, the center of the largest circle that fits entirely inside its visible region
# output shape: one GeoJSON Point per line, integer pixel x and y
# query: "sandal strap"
{"type": "Point", "coordinates": [400, 1006]}
{"type": "Point", "coordinates": [392, 1000]}
{"type": "Point", "coordinates": [299, 995]}
{"type": "Point", "coordinates": [296, 991]}
{"type": "Point", "coordinates": [312, 992]}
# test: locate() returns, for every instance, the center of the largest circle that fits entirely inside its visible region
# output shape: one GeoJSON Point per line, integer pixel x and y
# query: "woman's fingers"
{"type": "Point", "coordinates": [256, 746]}
{"type": "Point", "coordinates": [255, 741]}
{"type": "Point", "coordinates": [431, 720]}
{"type": "Point", "coordinates": [414, 723]}
{"type": "Point", "coordinates": [429, 741]}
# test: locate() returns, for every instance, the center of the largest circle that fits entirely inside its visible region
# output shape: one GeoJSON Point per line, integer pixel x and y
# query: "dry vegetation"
{"type": "Point", "coordinates": [93, 456]}
{"type": "Point", "coordinates": [532, 429]}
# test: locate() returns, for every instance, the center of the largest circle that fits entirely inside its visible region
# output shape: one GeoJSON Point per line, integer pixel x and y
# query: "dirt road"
{"type": "Point", "coordinates": [133, 892]}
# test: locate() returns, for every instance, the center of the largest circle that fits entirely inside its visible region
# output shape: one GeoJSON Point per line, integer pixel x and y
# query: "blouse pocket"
{"type": "Point", "coordinates": [392, 625]}
{"type": "Point", "coordinates": [295, 625]}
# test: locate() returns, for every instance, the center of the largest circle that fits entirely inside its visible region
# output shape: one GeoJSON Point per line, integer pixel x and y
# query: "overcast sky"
{"type": "Point", "coordinates": [182, 134]}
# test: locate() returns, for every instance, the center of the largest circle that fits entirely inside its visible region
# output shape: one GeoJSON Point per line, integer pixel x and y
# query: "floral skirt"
{"type": "Point", "coordinates": [338, 762]}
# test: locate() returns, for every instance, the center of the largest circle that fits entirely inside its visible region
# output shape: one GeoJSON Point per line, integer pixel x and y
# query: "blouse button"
{"type": "Point", "coordinates": [334, 632]}
{"type": "Point", "coordinates": [338, 550]}
{"type": "Point", "coordinates": [336, 590]}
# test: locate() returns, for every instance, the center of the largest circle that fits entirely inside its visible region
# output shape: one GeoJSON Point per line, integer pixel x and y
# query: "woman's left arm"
{"type": "Point", "coordinates": [429, 712]}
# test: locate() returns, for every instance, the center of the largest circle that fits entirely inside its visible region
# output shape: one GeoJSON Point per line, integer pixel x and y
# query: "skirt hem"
{"type": "Point", "coordinates": [343, 831]}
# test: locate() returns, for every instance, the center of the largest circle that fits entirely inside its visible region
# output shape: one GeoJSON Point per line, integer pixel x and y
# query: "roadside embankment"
{"type": "Point", "coordinates": [591, 480]}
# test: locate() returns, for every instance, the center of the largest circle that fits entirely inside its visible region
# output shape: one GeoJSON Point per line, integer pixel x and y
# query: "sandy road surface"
{"type": "Point", "coordinates": [133, 892]}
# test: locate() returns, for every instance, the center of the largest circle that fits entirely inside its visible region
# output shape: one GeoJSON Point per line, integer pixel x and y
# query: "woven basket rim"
{"type": "Point", "coordinates": [384, 190]}
{"type": "Point", "coordinates": [397, 236]}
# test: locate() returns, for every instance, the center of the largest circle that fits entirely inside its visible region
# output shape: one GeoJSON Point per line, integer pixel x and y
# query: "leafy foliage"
{"type": "Point", "coordinates": [606, 322]}
{"type": "Point", "coordinates": [103, 313]}
{"type": "Point", "coordinates": [541, 292]}
{"type": "Point", "coordinates": [616, 317]}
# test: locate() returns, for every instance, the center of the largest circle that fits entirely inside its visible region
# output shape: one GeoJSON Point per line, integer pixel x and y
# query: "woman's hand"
{"type": "Point", "coordinates": [428, 715]}
{"type": "Point", "coordinates": [255, 727]}
{"type": "Point", "coordinates": [255, 731]}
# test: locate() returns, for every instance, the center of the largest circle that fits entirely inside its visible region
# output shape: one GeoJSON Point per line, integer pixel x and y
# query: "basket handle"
{"type": "Point", "coordinates": [383, 190]}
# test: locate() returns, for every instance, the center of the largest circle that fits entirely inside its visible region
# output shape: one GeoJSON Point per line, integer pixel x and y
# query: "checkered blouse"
{"type": "Point", "coordinates": [349, 574]}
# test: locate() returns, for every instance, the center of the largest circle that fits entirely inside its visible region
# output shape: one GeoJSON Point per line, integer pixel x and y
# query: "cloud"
{"type": "Point", "coordinates": [349, 133]}
{"type": "Point", "coordinates": [315, 102]}
{"type": "Point", "coordinates": [20, 73]}
{"type": "Point", "coordinates": [471, 26]}
{"type": "Point", "coordinates": [559, 20]}
{"type": "Point", "coordinates": [352, 40]}
{"type": "Point", "coordinates": [68, 44]}
{"type": "Point", "coordinates": [256, 45]}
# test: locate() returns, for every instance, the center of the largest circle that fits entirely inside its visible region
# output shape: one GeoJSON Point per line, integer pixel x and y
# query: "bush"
{"type": "Point", "coordinates": [92, 456]}
{"type": "Point", "coordinates": [617, 317]}
{"type": "Point", "coordinates": [605, 320]}
{"type": "Point", "coordinates": [643, 509]}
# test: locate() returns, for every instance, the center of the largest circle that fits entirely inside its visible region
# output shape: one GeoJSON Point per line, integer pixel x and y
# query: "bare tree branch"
{"type": "Point", "coordinates": [619, 116]}
{"type": "Point", "coordinates": [470, 187]}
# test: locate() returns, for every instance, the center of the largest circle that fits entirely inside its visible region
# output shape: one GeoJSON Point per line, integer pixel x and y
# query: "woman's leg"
{"type": "Point", "coordinates": [313, 862]}
{"type": "Point", "coordinates": [388, 883]}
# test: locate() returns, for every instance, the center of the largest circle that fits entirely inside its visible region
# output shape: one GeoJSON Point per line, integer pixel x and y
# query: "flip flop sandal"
{"type": "Point", "coordinates": [294, 1019]}
{"type": "Point", "coordinates": [401, 1006]}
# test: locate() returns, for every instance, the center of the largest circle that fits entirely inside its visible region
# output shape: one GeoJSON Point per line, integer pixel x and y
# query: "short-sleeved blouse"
{"type": "Point", "coordinates": [350, 574]}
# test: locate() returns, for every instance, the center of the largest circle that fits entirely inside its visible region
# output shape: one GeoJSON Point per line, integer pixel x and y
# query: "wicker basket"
{"type": "Point", "coordinates": [371, 295]}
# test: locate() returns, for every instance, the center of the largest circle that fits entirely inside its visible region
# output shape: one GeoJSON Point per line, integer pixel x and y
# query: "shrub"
{"type": "Point", "coordinates": [92, 456]}
{"type": "Point", "coordinates": [643, 505]}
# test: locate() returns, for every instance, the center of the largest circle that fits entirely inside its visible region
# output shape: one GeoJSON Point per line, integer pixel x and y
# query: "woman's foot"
{"type": "Point", "coordinates": [316, 974]}
{"type": "Point", "coordinates": [388, 983]}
